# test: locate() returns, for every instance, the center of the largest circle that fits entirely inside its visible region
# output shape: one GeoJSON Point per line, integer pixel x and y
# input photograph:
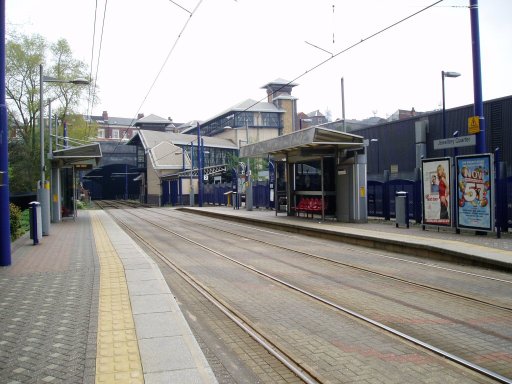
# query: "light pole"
{"type": "Point", "coordinates": [43, 193]}
{"type": "Point", "coordinates": [5, 233]}
{"type": "Point", "coordinates": [378, 157]}
{"type": "Point", "coordinates": [443, 75]}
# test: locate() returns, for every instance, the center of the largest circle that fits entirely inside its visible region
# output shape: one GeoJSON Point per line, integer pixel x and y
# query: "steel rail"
{"type": "Point", "coordinates": [413, 340]}
{"type": "Point", "coordinates": [363, 269]}
{"type": "Point", "coordinates": [286, 360]}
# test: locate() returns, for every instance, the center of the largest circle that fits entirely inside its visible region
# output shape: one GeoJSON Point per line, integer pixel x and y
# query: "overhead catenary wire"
{"type": "Point", "coordinates": [93, 85]}
{"type": "Point", "coordinates": [334, 55]}
{"type": "Point", "coordinates": [160, 70]}
{"type": "Point", "coordinates": [315, 67]}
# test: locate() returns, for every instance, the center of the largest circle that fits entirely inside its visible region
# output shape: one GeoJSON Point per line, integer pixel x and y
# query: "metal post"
{"type": "Point", "coordinates": [455, 201]}
{"type": "Point", "coordinates": [200, 168]}
{"type": "Point", "coordinates": [50, 150]}
{"type": "Point", "coordinates": [191, 167]}
{"type": "Point", "coordinates": [443, 116]}
{"type": "Point", "coordinates": [43, 193]}
{"type": "Point", "coordinates": [248, 189]}
{"type": "Point", "coordinates": [322, 182]}
{"type": "Point", "coordinates": [65, 133]}
{"type": "Point", "coordinates": [497, 194]}
{"type": "Point", "coordinates": [41, 124]}
{"type": "Point", "coordinates": [481, 146]}
{"type": "Point", "coordinates": [126, 181]}
{"type": "Point", "coordinates": [5, 232]}
{"type": "Point", "coordinates": [343, 102]}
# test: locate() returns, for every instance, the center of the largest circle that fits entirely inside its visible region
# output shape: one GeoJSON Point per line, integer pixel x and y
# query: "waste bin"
{"type": "Point", "coordinates": [402, 208]}
{"type": "Point", "coordinates": [36, 227]}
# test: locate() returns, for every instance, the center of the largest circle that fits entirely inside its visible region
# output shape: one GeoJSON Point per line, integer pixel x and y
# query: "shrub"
{"type": "Point", "coordinates": [16, 221]}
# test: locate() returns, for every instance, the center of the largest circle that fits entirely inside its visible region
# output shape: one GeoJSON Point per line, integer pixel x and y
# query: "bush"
{"type": "Point", "coordinates": [16, 221]}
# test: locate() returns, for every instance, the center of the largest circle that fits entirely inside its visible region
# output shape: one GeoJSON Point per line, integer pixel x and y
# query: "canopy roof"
{"type": "Point", "coordinates": [89, 154]}
{"type": "Point", "coordinates": [304, 143]}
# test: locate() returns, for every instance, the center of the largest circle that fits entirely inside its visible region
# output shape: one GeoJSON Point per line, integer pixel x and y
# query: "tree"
{"type": "Point", "coordinates": [24, 55]}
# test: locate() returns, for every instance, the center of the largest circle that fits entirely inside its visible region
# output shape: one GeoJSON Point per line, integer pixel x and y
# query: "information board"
{"type": "Point", "coordinates": [475, 187]}
{"type": "Point", "coordinates": [436, 191]}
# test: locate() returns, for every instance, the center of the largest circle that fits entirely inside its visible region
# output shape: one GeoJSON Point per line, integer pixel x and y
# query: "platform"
{"type": "Point", "coordinates": [432, 243]}
{"type": "Point", "coordinates": [88, 305]}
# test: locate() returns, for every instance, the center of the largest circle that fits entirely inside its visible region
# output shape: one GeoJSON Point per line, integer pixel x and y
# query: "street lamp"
{"type": "Point", "coordinates": [443, 75]}
{"type": "Point", "coordinates": [43, 193]}
{"type": "Point", "coordinates": [378, 157]}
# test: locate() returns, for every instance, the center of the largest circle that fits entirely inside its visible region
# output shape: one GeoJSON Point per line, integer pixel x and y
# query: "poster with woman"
{"type": "Point", "coordinates": [436, 191]}
{"type": "Point", "coordinates": [475, 185]}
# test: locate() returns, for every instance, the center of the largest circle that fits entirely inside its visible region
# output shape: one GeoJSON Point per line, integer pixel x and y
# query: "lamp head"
{"type": "Point", "coordinates": [451, 74]}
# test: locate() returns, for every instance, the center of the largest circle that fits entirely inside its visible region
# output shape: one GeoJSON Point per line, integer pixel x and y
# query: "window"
{"type": "Point", "coordinates": [115, 133]}
{"type": "Point", "coordinates": [101, 133]}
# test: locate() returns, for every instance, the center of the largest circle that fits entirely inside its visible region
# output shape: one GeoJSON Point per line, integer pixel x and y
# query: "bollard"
{"type": "Point", "coordinates": [36, 228]}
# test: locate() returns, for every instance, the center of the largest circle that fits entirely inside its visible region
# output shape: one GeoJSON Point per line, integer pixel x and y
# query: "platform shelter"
{"type": "Point", "coordinates": [321, 167]}
{"type": "Point", "coordinates": [65, 186]}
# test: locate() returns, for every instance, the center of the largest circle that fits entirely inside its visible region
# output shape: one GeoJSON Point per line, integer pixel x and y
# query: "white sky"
{"type": "Point", "coordinates": [230, 48]}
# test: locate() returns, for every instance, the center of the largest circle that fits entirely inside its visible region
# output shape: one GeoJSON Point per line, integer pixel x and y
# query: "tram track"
{"type": "Point", "coordinates": [293, 366]}
{"type": "Point", "coordinates": [298, 368]}
{"type": "Point", "coordinates": [359, 268]}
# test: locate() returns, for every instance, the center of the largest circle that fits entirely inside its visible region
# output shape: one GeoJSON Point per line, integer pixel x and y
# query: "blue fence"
{"type": "Point", "coordinates": [381, 198]}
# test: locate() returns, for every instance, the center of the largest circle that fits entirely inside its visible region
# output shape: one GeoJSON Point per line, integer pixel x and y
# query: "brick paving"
{"type": "Point", "coordinates": [333, 346]}
{"type": "Point", "coordinates": [48, 308]}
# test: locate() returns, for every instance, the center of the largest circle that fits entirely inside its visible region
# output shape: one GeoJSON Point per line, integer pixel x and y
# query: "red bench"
{"type": "Point", "coordinates": [310, 206]}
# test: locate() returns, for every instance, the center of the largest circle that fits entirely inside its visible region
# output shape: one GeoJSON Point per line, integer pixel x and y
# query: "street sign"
{"type": "Point", "coordinates": [473, 125]}
{"type": "Point", "coordinates": [455, 142]}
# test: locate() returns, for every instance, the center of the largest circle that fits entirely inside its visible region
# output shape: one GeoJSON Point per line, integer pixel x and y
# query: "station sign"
{"type": "Point", "coordinates": [455, 142]}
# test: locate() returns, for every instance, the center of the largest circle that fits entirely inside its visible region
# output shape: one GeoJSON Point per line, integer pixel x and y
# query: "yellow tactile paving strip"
{"type": "Point", "coordinates": [117, 358]}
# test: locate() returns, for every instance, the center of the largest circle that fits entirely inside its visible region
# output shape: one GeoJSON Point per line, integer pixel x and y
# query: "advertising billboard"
{"type": "Point", "coordinates": [436, 191]}
{"type": "Point", "coordinates": [475, 187]}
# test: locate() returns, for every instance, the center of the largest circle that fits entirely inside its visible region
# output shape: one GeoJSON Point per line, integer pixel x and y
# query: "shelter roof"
{"type": "Point", "coordinates": [304, 143]}
{"type": "Point", "coordinates": [89, 154]}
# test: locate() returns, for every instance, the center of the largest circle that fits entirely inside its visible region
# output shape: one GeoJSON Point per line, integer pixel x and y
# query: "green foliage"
{"type": "Point", "coordinates": [18, 221]}
{"type": "Point", "coordinates": [24, 55]}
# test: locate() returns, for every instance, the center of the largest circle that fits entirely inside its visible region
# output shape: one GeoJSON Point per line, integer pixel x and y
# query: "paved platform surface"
{"type": "Point", "coordinates": [87, 305]}
{"type": "Point", "coordinates": [467, 247]}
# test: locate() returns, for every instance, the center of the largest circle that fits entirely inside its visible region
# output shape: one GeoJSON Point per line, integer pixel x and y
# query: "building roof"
{"type": "Point", "coordinates": [112, 121]}
{"type": "Point", "coordinates": [150, 139]}
{"type": "Point", "coordinates": [153, 119]}
{"type": "Point", "coordinates": [280, 81]}
{"type": "Point", "coordinates": [249, 105]}
{"type": "Point", "coordinates": [168, 156]}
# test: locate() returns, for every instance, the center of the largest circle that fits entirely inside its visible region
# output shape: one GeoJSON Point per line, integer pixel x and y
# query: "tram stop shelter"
{"type": "Point", "coordinates": [317, 164]}
{"type": "Point", "coordinates": [66, 164]}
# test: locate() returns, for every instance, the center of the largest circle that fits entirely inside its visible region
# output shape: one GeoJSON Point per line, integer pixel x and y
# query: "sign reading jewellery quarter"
{"type": "Point", "coordinates": [453, 142]}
